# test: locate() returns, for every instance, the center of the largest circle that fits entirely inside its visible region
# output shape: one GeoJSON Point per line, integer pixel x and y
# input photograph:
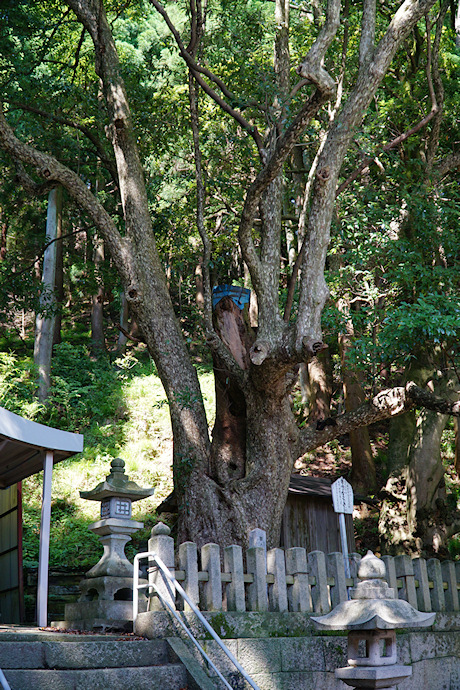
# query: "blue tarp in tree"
{"type": "Point", "coordinates": [239, 295]}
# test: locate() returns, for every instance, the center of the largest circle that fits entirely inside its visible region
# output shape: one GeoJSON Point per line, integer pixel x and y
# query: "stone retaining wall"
{"type": "Point", "coordinates": [62, 589]}
{"type": "Point", "coordinates": [283, 651]}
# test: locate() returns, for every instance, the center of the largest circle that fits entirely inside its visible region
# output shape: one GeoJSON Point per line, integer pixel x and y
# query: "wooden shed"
{"type": "Point", "coordinates": [309, 519]}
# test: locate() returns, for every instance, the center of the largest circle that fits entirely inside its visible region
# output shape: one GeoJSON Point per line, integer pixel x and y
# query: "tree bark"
{"type": "Point", "coordinates": [124, 314]}
{"type": "Point", "coordinates": [320, 386]}
{"type": "Point", "coordinates": [363, 474]}
{"type": "Point", "coordinates": [44, 322]}
{"type": "Point", "coordinates": [97, 301]}
{"type": "Point", "coordinates": [59, 280]}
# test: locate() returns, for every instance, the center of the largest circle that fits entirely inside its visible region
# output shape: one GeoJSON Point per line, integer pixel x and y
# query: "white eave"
{"type": "Point", "coordinates": [23, 445]}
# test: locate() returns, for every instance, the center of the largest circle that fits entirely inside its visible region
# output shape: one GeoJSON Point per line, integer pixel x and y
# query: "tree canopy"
{"type": "Point", "coordinates": [307, 152]}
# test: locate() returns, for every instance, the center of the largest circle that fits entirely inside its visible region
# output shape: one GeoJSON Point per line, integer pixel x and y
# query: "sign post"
{"type": "Point", "coordinates": [342, 500]}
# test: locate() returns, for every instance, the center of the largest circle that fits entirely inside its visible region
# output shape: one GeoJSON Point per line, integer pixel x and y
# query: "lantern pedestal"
{"type": "Point", "coordinates": [369, 677]}
{"type": "Point", "coordinates": [113, 535]}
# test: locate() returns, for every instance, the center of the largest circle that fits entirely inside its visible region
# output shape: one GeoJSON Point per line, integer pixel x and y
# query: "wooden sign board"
{"type": "Point", "coordinates": [342, 496]}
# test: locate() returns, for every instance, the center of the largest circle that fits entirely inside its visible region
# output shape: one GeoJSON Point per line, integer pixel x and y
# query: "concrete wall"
{"type": "Point", "coordinates": [282, 651]}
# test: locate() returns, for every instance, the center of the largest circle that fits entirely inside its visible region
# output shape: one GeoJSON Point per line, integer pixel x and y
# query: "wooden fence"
{"type": "Point", "coordinates": [291, 579]}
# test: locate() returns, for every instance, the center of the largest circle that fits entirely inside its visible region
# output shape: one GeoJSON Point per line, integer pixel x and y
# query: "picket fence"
{"type": "Point", "coordinates": [291, 579]}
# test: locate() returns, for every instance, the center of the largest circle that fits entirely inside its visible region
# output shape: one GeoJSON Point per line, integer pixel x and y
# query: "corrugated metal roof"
{"type": "Point", "coordinates": [310, 486]}
{"type": "Point", "coordinates": [23, 445]}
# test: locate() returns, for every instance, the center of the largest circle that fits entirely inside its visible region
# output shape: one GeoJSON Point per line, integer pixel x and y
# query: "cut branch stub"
{"type": "Point", "coordinates": [133, 293]}
{"type": "Point", "coordinates": [312, 347]}
{"type": "Point", "coordinates": [259, 352]}
{"type": "Point", "coordinates": [424, 398]}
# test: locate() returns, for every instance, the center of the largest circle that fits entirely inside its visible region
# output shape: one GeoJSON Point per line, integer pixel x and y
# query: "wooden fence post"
{"type": "Point", "coordinates": [234, 590]}
{"type": "Point", "coordinates": [210, 563]}
{"type": "Point", "coordinates": [277, 592]}
{"type": "Point", "coordinates": [163, 545]}
{"type": "Point", "coordinates": [299, 596]}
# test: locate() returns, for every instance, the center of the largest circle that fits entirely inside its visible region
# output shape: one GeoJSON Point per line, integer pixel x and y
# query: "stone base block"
{"type": "Point", "coordinates": [108, 588]}
{"type": "Point", "coordinates": [99, 615]}
{"type": "Point", "coordinates": [98, 625]}
{"type": "Point", "coordinates": [373, 677]}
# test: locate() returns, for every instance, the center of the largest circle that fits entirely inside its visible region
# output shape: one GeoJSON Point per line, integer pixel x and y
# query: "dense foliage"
{"type": "Point", "coordinates": [393, 261]}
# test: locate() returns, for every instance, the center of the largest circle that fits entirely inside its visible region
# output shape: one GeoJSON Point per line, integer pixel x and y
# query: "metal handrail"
{"type": "Point", "coordinates": [3, 681]}
{"type": "Point", "coordinates": [171, 580]}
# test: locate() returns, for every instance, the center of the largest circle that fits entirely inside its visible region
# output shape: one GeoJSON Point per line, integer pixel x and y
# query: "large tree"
{"type": "Point", "coordinates": [237, 479]}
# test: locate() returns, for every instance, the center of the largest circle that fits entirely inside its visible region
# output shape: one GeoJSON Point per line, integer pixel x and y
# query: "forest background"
{"type": "Point", "coordinates": [392, 270]}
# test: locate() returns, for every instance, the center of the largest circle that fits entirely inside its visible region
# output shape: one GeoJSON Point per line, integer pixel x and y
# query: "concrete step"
{"type": "Point", "coordinates": [168, 677]}
{"type": "Point", "coordinates": [78, 653]}
{"type": "Point", "coordinates": [73, 662]}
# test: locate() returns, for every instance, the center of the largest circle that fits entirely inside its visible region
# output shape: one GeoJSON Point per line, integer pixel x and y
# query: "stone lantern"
{"type": "Point", "coordinates": [371, 618]}
{"type": "Point", "coordinates": [107, 590]}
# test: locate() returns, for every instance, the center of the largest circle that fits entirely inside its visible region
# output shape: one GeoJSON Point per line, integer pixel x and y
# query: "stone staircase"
{"type": "Point", "coordinates": [39, 660]}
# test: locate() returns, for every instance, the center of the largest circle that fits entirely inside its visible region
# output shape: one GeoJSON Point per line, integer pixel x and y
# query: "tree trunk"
{"type": "Point", "coordinates": [319, 386]}
{"type": "Point", "coordinates": [253, 440]}
{"type": "Point", "coordinates": [224, 506]}
{"type": "Point", "coordinates": [4, 231]}
{"type": "Point", "coordinates": [363, 475]}
{"type": "Point", "coordinates": [59, 281]}
{"type": "Point", "coordinates": [44, 322]}
{"type": "Point", "coordinates": [425, 486]}
{"type": "Point", "coordinates": [394, 529]}
{"type": "Point", "coordinates": [97, 301]}
{"type": "Point", "coordinates": [457, 447]}
{"type": "Point", "coordinates": [199, 295]}
{"type": "Point", "coordinates": [414, 517]}
{"type": "Point", "coordinates": [122, 337]}
{"type": "Point", "coordinates": [457, 26]}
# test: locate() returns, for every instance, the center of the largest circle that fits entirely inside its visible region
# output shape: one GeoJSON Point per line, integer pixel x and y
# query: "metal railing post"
{"type": "Point", "coordinates": [172, 580]}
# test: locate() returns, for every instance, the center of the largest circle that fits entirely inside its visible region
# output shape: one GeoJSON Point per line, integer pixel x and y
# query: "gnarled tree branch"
{"type": "Point", "coordinates": [387, 403]}
{"type": "Point", "coordinates": [105, 160]}
{"type": "Point", "coordinates": [312, 66]}
{"type": "Point", "coordinates": [52, 171]}
{"type": "Point", "coordinates": [198, 70]}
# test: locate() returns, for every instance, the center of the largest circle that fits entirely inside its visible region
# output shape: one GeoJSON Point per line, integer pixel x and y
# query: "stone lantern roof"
{"type": "Point", "coordinates": [373, 605]}
{"type": "Point", "coordinates": [117, 483]}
